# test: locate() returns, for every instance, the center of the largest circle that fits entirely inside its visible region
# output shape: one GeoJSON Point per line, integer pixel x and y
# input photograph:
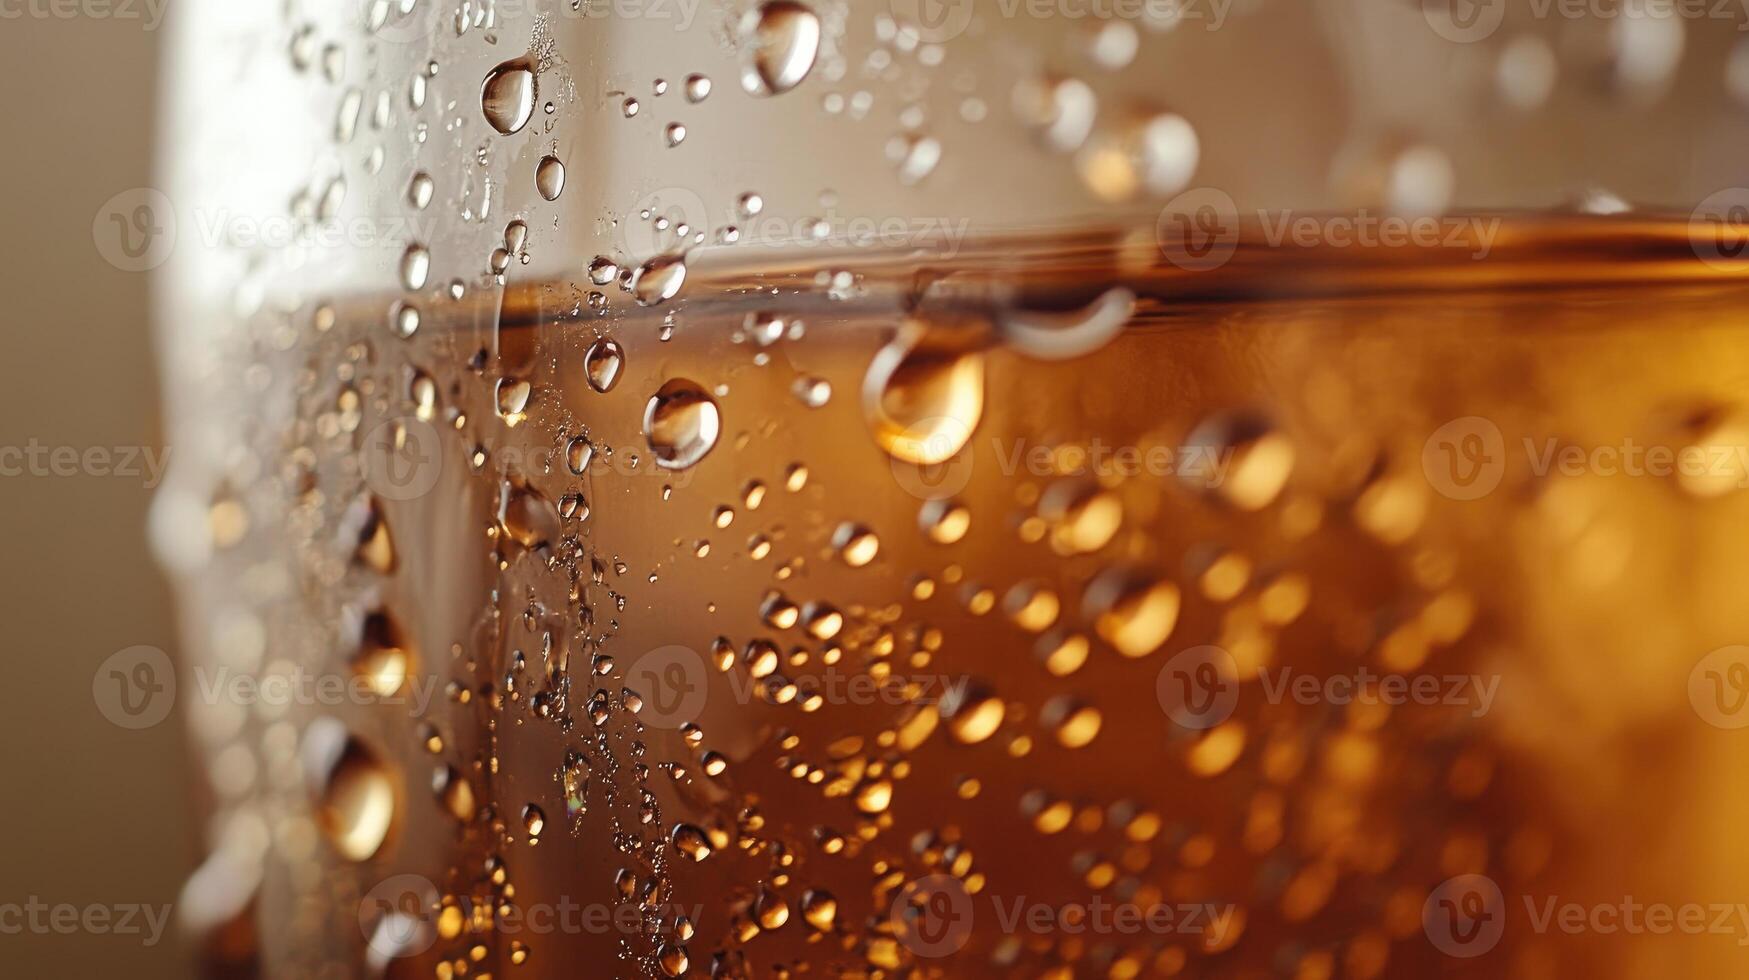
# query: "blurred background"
{"type": "Point", "coordinates": [96, 815]}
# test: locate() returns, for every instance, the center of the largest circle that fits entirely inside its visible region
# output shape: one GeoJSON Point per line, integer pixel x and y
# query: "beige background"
{"type": "Point", "coordinates": [92, 813]}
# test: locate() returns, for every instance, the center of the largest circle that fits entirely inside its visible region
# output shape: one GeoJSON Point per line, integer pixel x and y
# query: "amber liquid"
{"type": "Point", "coordinates": [989, 724]}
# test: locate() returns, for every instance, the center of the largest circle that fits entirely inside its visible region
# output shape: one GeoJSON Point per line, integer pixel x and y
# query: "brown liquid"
{"type": "Point", "coordinates": [950, 686]}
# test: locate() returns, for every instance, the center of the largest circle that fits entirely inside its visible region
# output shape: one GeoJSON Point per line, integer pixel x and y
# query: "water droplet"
{"type": "Point", "coordinates": [1032, 606]}
{"type": "Point", "coordinates": [1238, 457]}
{"type": "Point", "coordinates": [1132, 609]}
{"type": "Point", "coordinates": [778, 612]}
{"type": "Point", "coordinates": [533, 820]}
{"type": "Point", "coordinates": [455, 792]}
{"type": "Point", "coordinates": [1061, 109]}
{"type": "Point", "coordinates": [549, 177]}
{"type": "Point", "coordinates": [629, 107]}
{"type": "Point", "coordinates": [873, 796]}
{"type": "Point", "coordinates": [512, 396]}
{"type": "Point", "coordinates": [602, 364]}
{"type": "Point", "coordinates": [749, 204]}
{"type": "Point", "coordinates": [375, 547]}
{"type": "Point", "coordinates": [681, 424]}
{"type": "Point", "coordinates": [916, 156]}
{"type": "Point", "coordinates": [855, 544]}
{"type": "Point", "coordinates": [415, 267]}
{"type": "Point", "coordinates": [1155, 152]}
{"type": "Point", "coordinates": [779, 41]}
{"type": "Point", "coordinates": [381, 662]}
{"type": "Point", "coordinates": [674, 134]}
{"type": "Point", "coordinates": [578, 455]}
{"type": "Point", "coordinates": [404, 319]}
{"type": "Point", "coordinates": [819, 909]}
{"type": "Point", "coordinates": [924, 394]}
{"type": "Point", "coordinates": [420, 189]}
{"type": "Point", "coordinates": [1075, 723]}
{"type": "Point", "coordinates": [812, 391]}
{"type": "Point", "coordinates": [507, 95]}
{"type": "Point", "coordinates": [945, 520]}
{"type": "Point", "coordinates": [698, 88]}
{"type": "Point", "coordinates": [659, 279]}
{"type": "Point", "coordinates": [691, 841]}
{"type": "Point", "coordinates": [973, 712]}
{"type": "Point", "coordinates": [770, 908]}
{"type": "Point", "coordinates": [766, 328]}
{"type": "Point", "coordinates": [603, 270]}
{"type": "Point", "coordinates": [355, 795]}
{"type": "Point", "coordinates": [526, 517]}
{"type": "Point", "coordinates": [1083, 516]}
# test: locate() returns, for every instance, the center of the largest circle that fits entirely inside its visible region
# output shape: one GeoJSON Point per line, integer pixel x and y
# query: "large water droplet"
{"type": "Point", "coordinates": [924, 394]}
{"type": "Point", "coordinates": [602, 364]}
{"type": "Point", "coordinates": [691, 841]}
{"type": "Point", "coordinates": [355, 797]}
{"type": "Point", "coordinates": [682, 423]}
{"type": "Point", "coordinates": [779, 42]}
{"type": "Point", "coordinates": [507, 95]}
{"type": "Point", "coordinates": [658, 279]}
{"type": "Point", "coordinates": [381, 661]}
{"type": "Point", "coordinates": [415, 266]}
{"type": "Point", "coordinates": [1133, 609]}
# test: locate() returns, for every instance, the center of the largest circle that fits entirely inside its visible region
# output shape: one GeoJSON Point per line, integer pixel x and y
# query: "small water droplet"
{"type": "Point", "coordinates": [855, 544]}
{"type": "Point", "coordinates": [549, 177]}
{"type": "Point", "coordinates": [602, 364]}
{"type": "Point", "coordinates": [419, 190]}
{"type": "Point", "coordinates": [415, 266]}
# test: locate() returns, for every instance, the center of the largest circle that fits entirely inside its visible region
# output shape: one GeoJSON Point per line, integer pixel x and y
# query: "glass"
{"type": "Point", "coordinates": [976, 489]}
